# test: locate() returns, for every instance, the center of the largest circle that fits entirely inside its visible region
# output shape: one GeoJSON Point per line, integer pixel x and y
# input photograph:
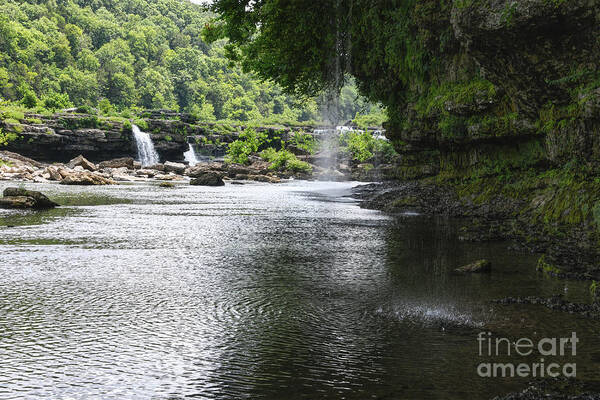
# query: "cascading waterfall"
{"type": "Point", "coordinates": [190, 155]}
{"type": "Point", "coordinates": [147, 155]}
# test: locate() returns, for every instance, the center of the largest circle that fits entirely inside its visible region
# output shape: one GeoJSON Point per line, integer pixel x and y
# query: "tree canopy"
{"type": "Point", "coordinates": [147, 54]}
{"type": "Point", "coordinates": [389, 46]}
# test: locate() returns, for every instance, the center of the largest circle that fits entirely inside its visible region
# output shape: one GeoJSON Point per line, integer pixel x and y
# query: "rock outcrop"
{"type": "Point", "coordinates": [63, 136]}
{"type": "Point", "coordinates": [502, 107]}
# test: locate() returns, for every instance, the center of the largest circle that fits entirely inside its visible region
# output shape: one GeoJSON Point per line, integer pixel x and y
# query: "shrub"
{"type": "Point", "coordinates": [284, 160]}
{"type": "Point", "coordinates": [362, 146]}
{"type": "Point", "coordinates": [141, 123]}
{"type": "Point", "coordinates": [13, 114]}
{"type": "Point", "coordinates": [105, 107]}
{"type": "Point", "coordinates": [248, 143]}
{"type": "Point", "coordinates": [7, 137]}
{"type": "Point", "coordinates": [359, 145]}
{"type": "Point", "coordinates": [29, 99]}
{"type": "Point", "coordinates": [304, 141]}
{"type": "Point", "coordinates": [56, 101]}
{"type": "Point", "coordinates": [126, 126]}
{"type": "Point", "coordinates": [296, 165]}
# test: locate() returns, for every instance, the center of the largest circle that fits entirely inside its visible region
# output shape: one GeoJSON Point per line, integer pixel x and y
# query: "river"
{"type": "Point", "coordinates": [256, 291]}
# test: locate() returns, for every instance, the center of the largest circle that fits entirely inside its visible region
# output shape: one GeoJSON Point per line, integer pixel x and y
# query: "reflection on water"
{"type": "Point", "coordinates": [255, 291]}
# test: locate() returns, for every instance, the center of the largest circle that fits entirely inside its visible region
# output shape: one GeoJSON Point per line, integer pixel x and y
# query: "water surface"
{"type": "Point", "coordinates": [256, 291]}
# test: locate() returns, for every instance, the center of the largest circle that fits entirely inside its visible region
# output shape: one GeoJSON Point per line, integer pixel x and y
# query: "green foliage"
{"type": "Point", "coordinates": [304, 141]}
{"type": "Point", "coordinates": [544, 266]}
{"type": "Point", "coordinates": [106, 107]}
{"type": "Point", "coordinates": [89, 121]}
{"type": "Point", "coordinates": [263, 40]}
{"type": "Point", "coordinates": [14, 113]}
{"type": "Point", "coordinates": [29, 99]}
{"type": "Point", "coordinates": [296, 165]}
{"type": "Point", "coordinates": [141, 123]}
{"type": "Point", "coordinates": [393, 48]}
{"type": "Point", "coordinates": [284, 160]}
{"type": "Point", "coordinates": [56, 101]}
{"type": "Point", "coordinates": [120, 55]}
{"type": "Point", "coordinates": [361, 146]}
{"type": "Point", "coordinates": [595, 290]}
{"type": "Point", "coordinates": [458, 93]}
{"type": "Point", "coordinates": [7, 137]}
{"type": "Point", "coordinates": [248, 143]}
{"type": "Point", "coordinates": [375, 118]}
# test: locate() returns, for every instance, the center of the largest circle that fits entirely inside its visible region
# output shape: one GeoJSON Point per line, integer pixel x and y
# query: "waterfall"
{"type": "Point", "coordinates": [147, 155]}
{"type": "Point", "coordinates": [329, 147]}
{"type": "Point", "coordinates": [190, 155]}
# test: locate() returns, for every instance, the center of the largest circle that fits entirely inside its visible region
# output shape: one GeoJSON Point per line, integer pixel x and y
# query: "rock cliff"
{"type": "Point", "coordinates": [508, 113]}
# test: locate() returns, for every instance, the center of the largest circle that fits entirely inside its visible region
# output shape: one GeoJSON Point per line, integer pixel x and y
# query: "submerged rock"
{"type": "Point", "coordinates": [479, 266]}
{"type": "Point", "coordinates": [166, 185]}
{"type": "Point", "coordinates": [208, 179]}
{"type": "Point", "coordinates": [23, 198]}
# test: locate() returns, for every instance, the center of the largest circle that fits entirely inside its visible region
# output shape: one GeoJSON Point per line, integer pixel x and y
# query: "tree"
{"type": "Point", "coordinates": [391, 47]}
{"type": "Point", "coordinates": [302, 45]}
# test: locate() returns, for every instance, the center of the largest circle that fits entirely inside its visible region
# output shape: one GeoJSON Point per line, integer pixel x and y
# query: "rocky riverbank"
{"type": "Point", "coordinates": [80, 171]}
{"type": "Point", "coordinates": [566, 251]}
{"type": "Point", "coordinates": [60, 137]}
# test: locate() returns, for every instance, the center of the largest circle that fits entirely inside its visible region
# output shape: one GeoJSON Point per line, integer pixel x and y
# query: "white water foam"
{"type": "Point", "coordinates": [147, 154]}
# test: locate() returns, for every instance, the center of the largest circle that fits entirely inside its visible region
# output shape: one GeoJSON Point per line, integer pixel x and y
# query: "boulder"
{"type": "Point", "coordinates": [81, 161]}
{"type": "Point", "coordinates": [158, 167]}
{"type": "Point", "coordinates": [23, 198]}
{"type": "Point", "coordinates": [479, 266]}
{"type": "Point", "coordinates": [200, 169]}
{"type": "Point", "coordinates": [208, 179]}
{"type": "Point", "coordinates": [238, 169]}
{"type": "Point", "coordinates": [263, 178]}
{"type": "Point", "coordinates": [168, 177]}
{"type": "Point", "coordinates": [177, 168]}
{"type": "Point", "coordinates": [126, 162]}
{"type": "Point", "coordinates": [84, 178]}
{"type": "Point", "coordinates": [53, 173]}
{"type": "Point", "coordinates": [20, 202]}
{"type": "Point", "coordinates": [146, 172]}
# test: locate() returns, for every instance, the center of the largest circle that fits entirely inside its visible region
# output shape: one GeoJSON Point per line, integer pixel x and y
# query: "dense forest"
{"type": "Point", "coordinates": [123, 55]}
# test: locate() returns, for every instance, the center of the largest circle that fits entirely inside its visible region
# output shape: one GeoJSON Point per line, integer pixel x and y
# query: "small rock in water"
{"type": "Point", "coordinates": [208, 179]}
{"type": "Point", "coordinates": [166, 185]}
{"type": "Point", "coordinates": [479, 266]}
{"type": "Point", "coordinates": [22, 198]}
